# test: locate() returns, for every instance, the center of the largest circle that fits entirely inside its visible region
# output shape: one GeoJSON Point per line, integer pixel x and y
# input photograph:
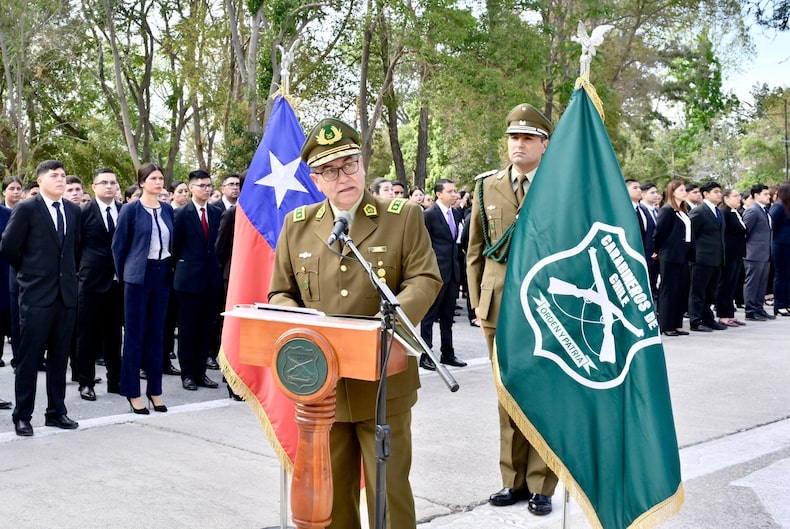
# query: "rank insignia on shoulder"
{"type": "Point", "coordinates": [396, 206]}
{"type": "Point", "coordinates": [320, 213]}
{"type": "Point", "coordinates": [370, 210]}
{"type": "Point", "coordinates": [300, 214]}
{"type": "Point", "coordinates": [487, 173]}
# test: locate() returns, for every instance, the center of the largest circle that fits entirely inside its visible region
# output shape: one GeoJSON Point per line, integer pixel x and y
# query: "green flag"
{"type": "Point", "coordinates": [579, 362]}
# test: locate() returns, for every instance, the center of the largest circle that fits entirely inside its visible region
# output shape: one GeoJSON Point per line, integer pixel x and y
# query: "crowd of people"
{"type": "Point", "coordinates": [107, 278]}
{"type": "Point", "coordinates": [710, 250]}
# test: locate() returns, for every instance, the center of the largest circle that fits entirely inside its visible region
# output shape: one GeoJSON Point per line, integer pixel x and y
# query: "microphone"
{"type": "Point", "coordinates": [342, 221]}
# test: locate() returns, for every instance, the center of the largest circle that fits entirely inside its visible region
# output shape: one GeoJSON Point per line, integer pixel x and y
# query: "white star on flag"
{"type": "Point", "coordinates": [282, 178]}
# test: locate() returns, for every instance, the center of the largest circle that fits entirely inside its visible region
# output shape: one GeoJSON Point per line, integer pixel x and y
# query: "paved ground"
{"type": "Point", "coordinates": [207, 464]}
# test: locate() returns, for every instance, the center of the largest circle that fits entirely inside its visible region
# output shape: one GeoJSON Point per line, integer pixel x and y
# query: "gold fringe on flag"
{"type": "Point", "coordinates": [583, 82]}
{"type": "Point", "coordinates": [242, 390]}
{"type": "Point", "coordinates": [648, 520]}
{"type": "Point", "coordinates": [294, 101]}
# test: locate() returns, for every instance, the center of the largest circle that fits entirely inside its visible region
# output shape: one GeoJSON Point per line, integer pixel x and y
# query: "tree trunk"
{"type": "Point", "coordinates": [422, 148]}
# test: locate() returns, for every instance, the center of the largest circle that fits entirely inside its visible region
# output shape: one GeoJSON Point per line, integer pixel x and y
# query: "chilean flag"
{"type": "Point", "coordinates": [277, 182]}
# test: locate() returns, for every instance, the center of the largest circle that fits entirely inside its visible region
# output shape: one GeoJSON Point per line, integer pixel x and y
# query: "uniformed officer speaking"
{"type": "Point", "coordinates": [391, 235]}
{"type": "Point", "coordinates": [496, 205]}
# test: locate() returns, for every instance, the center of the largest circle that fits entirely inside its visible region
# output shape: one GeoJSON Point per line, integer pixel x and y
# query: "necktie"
{"type": "Point", "coordinates": [60, 225]}
{"type": "Point", "coordinates": [451, 223]}
{"type": "Point", "coordinates": [158, 232]}
{"type": "Point", "coordinates": [520, 187]}
{"type": "Point", "coordinates": [110, 223]}
{"type": "Point", "coordinates": [642, 220]}
{"type": "Point", "coordinates": [770, 221]}
{"type": "Point", "coordinates": [204, 222]}
{"type": "Point", "coordinates": [718, 215]}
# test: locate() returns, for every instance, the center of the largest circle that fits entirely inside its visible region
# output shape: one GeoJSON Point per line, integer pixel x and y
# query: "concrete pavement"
{"type": "Point", "coordinates": [207, 463]}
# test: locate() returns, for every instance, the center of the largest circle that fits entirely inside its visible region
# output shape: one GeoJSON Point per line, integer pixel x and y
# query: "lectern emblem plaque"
{"type": "Point", "coordinates": [301, 366]}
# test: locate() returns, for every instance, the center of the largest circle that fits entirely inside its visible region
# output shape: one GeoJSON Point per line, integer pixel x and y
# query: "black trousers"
{"type": "Point", "coordinates": [443, 311]}
{"type": "Point", "coordinates": [728, 288]}
{"type": "Point", "coordinates": [704, 286]}
{"type": "Point", "coordinates": [197, 316]}
{"type": "Point", "coordinates": [43, 329]}
{"type": "Point", "coordinates": [100, 319]}
{"type": "Point", "coordinates": [673, 295]}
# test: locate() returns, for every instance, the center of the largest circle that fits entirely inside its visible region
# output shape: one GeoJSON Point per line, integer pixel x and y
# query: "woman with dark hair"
{"type": "Point", "coordinates": [780, 249]}
{"type": "Point", "coordinates": [132, 193]}
{"type": "Point", "coordinates": [180, 192]}
{"type": "Point", "coordinates": [141, 250]}
{"type": "Point", "coordinates": [12, 191]}
{"type": "Point", "coordinates": [734, 252]}
{"type": "Point", "coordinates": [416, 194]}
{"type": "Point", "coordinates": [672, 243]}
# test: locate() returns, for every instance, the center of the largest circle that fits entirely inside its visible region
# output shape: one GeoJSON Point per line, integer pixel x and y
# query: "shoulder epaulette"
{"type": "Point", "coordinates": [300, 213]}
{"type": "Point", "coordinates": [487, 173]}
{"type": "Point", "coordinates": [370, 211]}
{"type": "Point", "coordinates": [396, 206]}
{"type": "Point", "coordinates": [321, 212]}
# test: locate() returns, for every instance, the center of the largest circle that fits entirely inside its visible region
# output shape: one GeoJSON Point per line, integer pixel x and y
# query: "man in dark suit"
{"type": "Point", "coordinates": [649, 204]}
{"type": "Point", "coordinates": [757, 263]}
{"type": "Point", "coordinates": [442, 221]}
{"type": "Point", "coordinates": [41, 242]}
{"type": "Point", "coordinates": [707, 226]}
{"type": "Point", "coordinates": [231, 189]}
{"type": "Point", "coordinates": [197, 281]}
{"type": "Point", "coordinates": [100, 313]}
{"type": "Point", "coordinates": [647, 226]}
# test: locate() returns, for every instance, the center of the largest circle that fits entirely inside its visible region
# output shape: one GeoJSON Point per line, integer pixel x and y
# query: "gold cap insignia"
{"type": "Point", "coordinates": [328, 135]}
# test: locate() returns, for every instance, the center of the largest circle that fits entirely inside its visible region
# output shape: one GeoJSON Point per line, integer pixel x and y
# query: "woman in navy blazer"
{"type": "Point", "coordinates": [141, 250]}
{"type": "Point", "coordinates": [672, 243]}
{"type": "Point", "coordinates": [780, 249]}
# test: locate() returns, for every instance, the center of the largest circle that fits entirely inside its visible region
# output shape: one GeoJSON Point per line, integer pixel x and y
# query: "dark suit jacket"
{"type": "Point", "coordinates": [45, 269]}
{"type": "Point", "coordinates": [5, 296]}
{"type": "Point", "coordinates": [670, 237]}
{"type": "Point", "coordinates": [647, 232]}
{"type": "Point", "coordinates": [758, 233]}
{"type": "Point", "coordinates": [194, 257]}
{"type": "Point", "coordinates": [132, 240]}
{"type": "Point", "coordinates": [708, 236]}
{"type": "Point", "coordinates": [734, 236]}
{"type": "Point", "coordinates": [443, 242]}
{"type": "Point", "coordinates": [224, 245]}
{"type": "Point", "coordinates": [96, 266]}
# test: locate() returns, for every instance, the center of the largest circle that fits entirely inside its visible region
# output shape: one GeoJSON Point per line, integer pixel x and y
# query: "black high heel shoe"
{"type": "Point", "coordinates": [161, 408]}
{"type": "Point", "coordinates": [138, 411]}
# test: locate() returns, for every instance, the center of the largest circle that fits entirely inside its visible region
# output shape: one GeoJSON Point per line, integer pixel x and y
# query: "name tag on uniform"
{"type": "Point", "coordinates": [377, 249]}
{"type": "Point", "coordinates": [305, 255]}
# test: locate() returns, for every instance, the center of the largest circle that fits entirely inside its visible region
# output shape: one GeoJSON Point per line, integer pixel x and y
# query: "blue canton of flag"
{"type": "Point", "coordinates": [278, 179]}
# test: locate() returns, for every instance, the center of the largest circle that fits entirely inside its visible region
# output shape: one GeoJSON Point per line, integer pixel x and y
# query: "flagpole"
{"type": "Point", "coordinates": [565, 507]}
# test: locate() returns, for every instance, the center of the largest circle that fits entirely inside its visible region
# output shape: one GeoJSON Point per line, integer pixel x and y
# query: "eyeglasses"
{"type": "Point", "coordinates": [331, 174]}
{"type": "Point", "coordinates": [202, 186]}
{"type": "Point", "coordinates": [105, 183]}
{"type": "Point", "coordinates": [231, 184]}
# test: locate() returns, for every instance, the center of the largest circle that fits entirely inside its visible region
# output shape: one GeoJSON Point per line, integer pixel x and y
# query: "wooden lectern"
{"type": "Point", "coordinates": [307, 352]}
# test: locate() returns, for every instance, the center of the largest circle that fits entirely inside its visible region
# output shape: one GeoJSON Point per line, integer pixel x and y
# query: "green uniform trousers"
{"type": "Point", "coordinates": [354, 442]}
{"type": "Point", "coordinates": [520, 464]}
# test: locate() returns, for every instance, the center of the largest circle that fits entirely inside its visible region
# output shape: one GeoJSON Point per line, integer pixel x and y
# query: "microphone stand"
{"type": "Point", "coordinates": [389, 307]}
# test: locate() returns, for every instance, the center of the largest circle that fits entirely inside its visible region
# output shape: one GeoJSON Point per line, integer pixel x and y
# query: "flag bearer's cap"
{"type": "Point", "coordinates": [329, 140]}
{"type": "Point", "coordinates": [526, 119]}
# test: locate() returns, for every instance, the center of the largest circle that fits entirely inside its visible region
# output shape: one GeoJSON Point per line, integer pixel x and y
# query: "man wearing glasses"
{"type": "Point", "coordinates": [392, 236]}
{"type": "Point", "coordinates": [100, 306]}
{"type": "Point", "coordinates": [197, 281]}
{"type": "Point", "coordinates": [231, 188]}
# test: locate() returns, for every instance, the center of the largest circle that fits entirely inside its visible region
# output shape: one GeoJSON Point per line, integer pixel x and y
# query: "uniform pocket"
{"type": "Point", "coordinates": [306, 272]}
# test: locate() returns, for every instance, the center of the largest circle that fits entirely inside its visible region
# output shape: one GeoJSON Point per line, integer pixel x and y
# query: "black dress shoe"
{"type": "Point", "coordinates": [171, 370]}
{"type": "Point", "coordinates": [540, 505]}
{"type": "Point", "coordinates": [23, 428]}
{"type": "Point", "coordinates": [716, 326]}
{"type": "Point", "coordinates": [188, 384]}
{"type": "Point", "coordinates": [172, 355]}
{"type": "Point", "coordinates": [211, 363]}
{"type": "Point", "coordinates": [61, 421]}
{"type": "Point", "coordinates": [143, 374]}
{"type": "Point", "coordinates": [2, 362]}
{"type": "Point", "coordinates": [206, 382]}
{"type": "Point", "coordinates": [427, 363]}
{"type": "Point", "coordinates": [701, 328]}
{"type": "Point", "coordinates": [232, 395]}
{"type": "Point", "coordinates": [452, 361]}
{"type": "Point", "coordinates": [87, 393]}
{"type": "Point", "coordinates": [670, 333]}
{"type": "Point", "coordinates": [756, 317]}
{"type": "Point", "coordinates": [767, 316]}
{"type": "Point", "coordinates": [508, 496]}
{"type": "Point", "coordinates": [5, 405]}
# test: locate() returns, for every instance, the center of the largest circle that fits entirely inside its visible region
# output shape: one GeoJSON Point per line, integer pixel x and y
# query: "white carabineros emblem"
{"type": "Point", "coordinates": [590, 308]}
